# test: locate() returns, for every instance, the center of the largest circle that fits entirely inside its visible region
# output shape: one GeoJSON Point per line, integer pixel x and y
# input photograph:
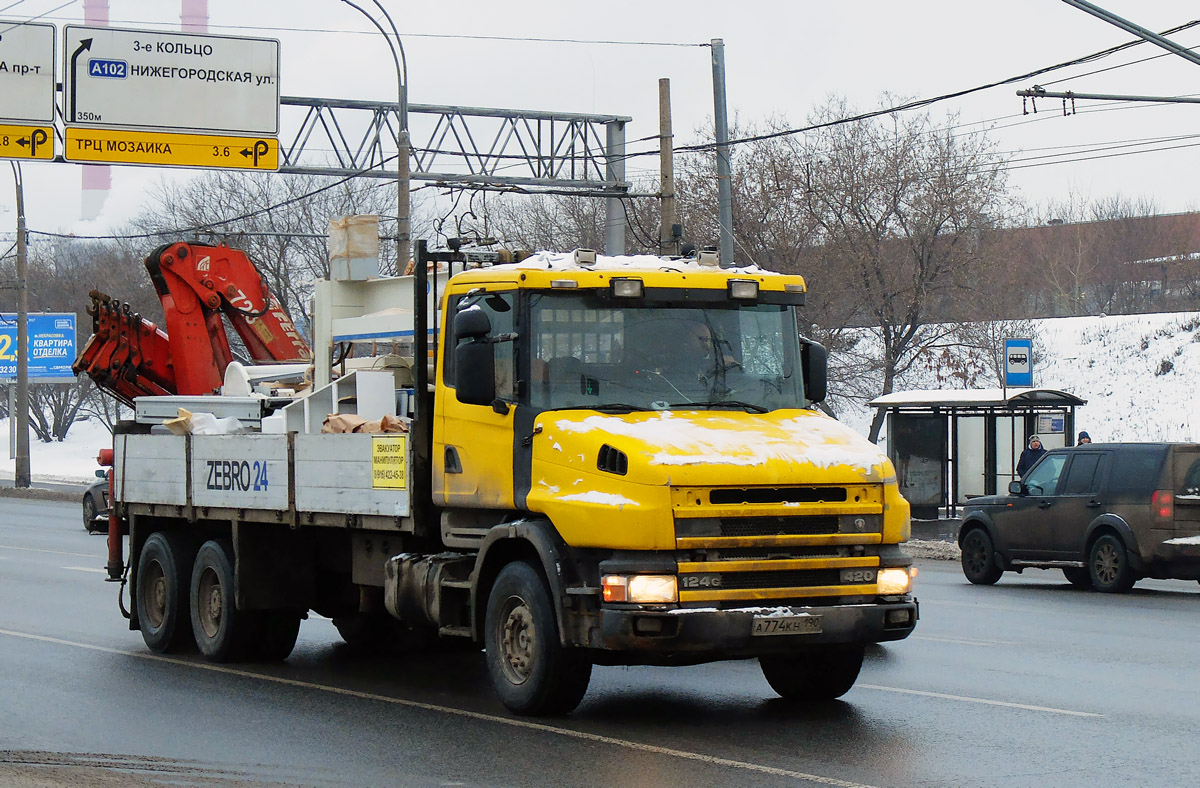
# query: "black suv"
{"type": "Point", "coordinates": [1105, 514]}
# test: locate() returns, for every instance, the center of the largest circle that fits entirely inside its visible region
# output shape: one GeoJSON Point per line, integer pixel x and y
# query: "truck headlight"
{"type": "Point", "coordinates": [640, 589]}
{"type": "Point", "coordinates": [896, 581]}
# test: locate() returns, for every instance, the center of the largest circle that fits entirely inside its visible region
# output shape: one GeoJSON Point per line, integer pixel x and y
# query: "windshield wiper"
{"type": "Point", "coordinates": [723, 403]}
{"type": "Point", "coordinates": [607, 407]}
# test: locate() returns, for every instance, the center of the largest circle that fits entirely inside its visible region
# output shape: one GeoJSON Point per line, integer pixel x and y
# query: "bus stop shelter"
{"type": "Point", "coordinates": [951, 445]}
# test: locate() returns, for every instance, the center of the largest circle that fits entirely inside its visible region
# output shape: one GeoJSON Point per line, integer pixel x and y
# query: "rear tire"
{"type": "Point", "coordinates": [223, 633]}
{"type": "Point", "coordinates": [530, 669]}
{"type": "Point", "coordinates": [1078, 576]}
{"type": "Point", "coordinates": [813, 675]}
{"type": "Point", "coordinates": [162, 593]}
{"type": "Point", "coordinates": [1109, 567]}
{"type": "Point", "coordinates": [979, 558]}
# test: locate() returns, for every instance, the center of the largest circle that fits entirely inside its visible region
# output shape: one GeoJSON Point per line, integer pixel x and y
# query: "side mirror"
{"type": "Point", "coordinates": [1016, 488]}
{"type": "Point", "coordinates": [101, 474]}
{"type": "Point", "coordinates": [814, 363]}
{"type": "Point", "coordinates": [475, 370]}
{"type": "Point", "coordinates": [472, 323]}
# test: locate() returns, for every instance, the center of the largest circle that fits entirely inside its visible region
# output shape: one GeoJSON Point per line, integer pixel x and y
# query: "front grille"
{"type": "Point", "coordinates": [757, 526]}
{"type": "Point", "coordinates": [777, 495]}
{"type": "Point", "coordinates": [799, 578]}
{"type": "Point", "coordinates": [772, 553]}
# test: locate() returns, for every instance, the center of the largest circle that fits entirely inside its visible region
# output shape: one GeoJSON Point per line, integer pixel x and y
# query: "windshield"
{"type": "Point", "coordinates": [593, 353]}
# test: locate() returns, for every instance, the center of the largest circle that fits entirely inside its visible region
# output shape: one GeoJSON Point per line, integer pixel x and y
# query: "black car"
{"type": "Point", "coordinates": [95, 504]}
{"type": "Point", "coordinates": [1106, 515]}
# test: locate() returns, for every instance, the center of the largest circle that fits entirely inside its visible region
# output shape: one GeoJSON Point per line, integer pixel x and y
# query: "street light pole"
{"type": "Point", "coordinates": [21, 474]}
{"type": "Point", "coordinates": [403, 146]}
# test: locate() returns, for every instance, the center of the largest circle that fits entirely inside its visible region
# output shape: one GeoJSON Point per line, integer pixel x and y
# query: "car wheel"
{"type": "Point", "coordinates": [1108, 565]}
{"type": "Point", "coordinates": [814, 675]}
{"type": "Point", "coordinates": [162, 593]}
{"type": "Point", "coordinates": [530, 669]}
{"type": "Point", "coordinates": [979, 558]}
{"type": "Point", "coordinates": [89, 513]}
{"type": "Point", "coordinates": [1077, 576]}
{"type": "Point", "coordinates": [223, 632]}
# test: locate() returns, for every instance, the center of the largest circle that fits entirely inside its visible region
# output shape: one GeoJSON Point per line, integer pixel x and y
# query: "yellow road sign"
{"type": "Point", "coordinates": [27, 142]}
{"type": "Point", "coordinates": [166, 149]}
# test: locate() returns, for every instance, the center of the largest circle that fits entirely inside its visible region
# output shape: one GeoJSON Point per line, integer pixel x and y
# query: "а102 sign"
{"type": "Point", "coordinates": [51, 347]}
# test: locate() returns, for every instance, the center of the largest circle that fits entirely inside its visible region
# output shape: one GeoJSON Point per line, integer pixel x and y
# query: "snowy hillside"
{"type": "Point", "coordinates": [1138, 373]}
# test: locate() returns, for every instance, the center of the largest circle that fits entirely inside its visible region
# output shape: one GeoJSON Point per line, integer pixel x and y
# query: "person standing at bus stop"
{"type": "Point", "coordinates": [1030, 455]}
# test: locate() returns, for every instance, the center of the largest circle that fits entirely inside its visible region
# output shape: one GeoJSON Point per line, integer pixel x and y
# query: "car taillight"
{"type": "Point", "coordinates": [1163, 504]}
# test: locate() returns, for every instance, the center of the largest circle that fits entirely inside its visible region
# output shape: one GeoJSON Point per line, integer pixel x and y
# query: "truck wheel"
{"type": "Point", "coordinates": [1077, 576]}
{"type": "Point", "coordinates": [530, 669]}
{"type": "Point", "coordinates": [275, 636]}
{"type": "Point", "coordinates": [222, 631]}
{"type": "Point", "coordinates": [813, 675]}
{"type": "Point", "coordinates": [1108, 565]}
{"type": "Point", "coordinates": [162, 592]}
{"type": "Point", "coordinates": [979, 558]}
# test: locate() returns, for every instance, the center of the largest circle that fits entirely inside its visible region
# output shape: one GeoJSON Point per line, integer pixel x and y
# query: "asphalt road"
{"type": "Point", "coordinates": [1026, 683]}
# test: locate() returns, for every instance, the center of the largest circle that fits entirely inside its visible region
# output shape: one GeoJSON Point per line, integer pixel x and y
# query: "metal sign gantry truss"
{"type": "Point", "coordinates": [471, 147]}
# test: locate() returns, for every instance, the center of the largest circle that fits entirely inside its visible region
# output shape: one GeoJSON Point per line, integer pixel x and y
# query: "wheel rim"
{"type": "Point", "coordinates": [210, 603]}
{"type": "Point", "coordinates": [975, 553]}
{"type": "Point", "coordinates": [156, 594]}
{"type": "Point", "coordinates": [1107, 563]}
{"type": "Point", "coordinates": [517, 640]}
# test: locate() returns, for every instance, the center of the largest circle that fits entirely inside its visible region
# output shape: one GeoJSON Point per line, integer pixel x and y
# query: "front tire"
{"type": "Point", "coordinates": [223, 633]}
{"type": "Point", "coordinates": [162, 594]}
{"type": "Point", "coordinates": [531, 671]}
{"type": "Point", "coordinates": [1109, 567]}
{"type": "Point", "coordinates": [813, 675]}
{"type": "Point", "coordinates": [979, 558]}
{"type": "Point", "coordinates": [89, 513]}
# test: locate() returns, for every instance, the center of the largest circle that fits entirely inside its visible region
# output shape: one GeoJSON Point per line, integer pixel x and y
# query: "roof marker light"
{"type": "Point", "coordinates": [623, 287]}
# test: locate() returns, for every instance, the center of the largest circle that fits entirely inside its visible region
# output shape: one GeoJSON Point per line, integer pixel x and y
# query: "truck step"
{"type": "Point", "coordinates": [455, 631]}
{"type": "Point", "coordinates": [456, 583]}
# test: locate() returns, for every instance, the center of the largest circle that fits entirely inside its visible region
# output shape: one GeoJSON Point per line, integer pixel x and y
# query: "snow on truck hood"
{"type": "Point", "coordinates": [718, 447]}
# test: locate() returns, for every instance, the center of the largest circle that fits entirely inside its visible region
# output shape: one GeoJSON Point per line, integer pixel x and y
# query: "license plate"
{"type": "Point", "coordinates": [787, 625]}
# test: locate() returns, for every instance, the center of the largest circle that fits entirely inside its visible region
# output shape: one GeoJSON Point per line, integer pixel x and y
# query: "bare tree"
{"type": "Point", "coordinates": [901, 207]}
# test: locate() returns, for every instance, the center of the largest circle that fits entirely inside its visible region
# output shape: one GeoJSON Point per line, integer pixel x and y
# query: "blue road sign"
{"type": "Point", "coordinates": [51, 346]}
{"type": "Point", "coordinates": [1018, 362]}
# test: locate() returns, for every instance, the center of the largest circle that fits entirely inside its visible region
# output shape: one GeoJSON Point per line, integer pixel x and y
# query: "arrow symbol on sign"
{"type": "Point", "coordinates": [23, 141]}
{"type": "Point", "coordinates": [84, 45]}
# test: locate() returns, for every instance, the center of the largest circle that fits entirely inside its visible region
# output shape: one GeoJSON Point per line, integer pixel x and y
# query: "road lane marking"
{"type": "Point", "coordinates": [984, 701]}
{"type": "Point", "coordinates": [87, 569]}
{"type": "Point", "coordinates": [475, 715]}
{"type": "Point", "coordinates": [52, 552]}
{"type": "Point", "coordinates": [964, 641]}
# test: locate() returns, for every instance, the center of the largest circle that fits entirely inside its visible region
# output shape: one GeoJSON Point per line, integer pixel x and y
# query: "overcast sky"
{"type": "Point", "coordinates": [782, 59]}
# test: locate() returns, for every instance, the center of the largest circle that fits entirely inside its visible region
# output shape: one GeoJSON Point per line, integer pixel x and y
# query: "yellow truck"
{"type": "Point", "coordinates": [610, 461]}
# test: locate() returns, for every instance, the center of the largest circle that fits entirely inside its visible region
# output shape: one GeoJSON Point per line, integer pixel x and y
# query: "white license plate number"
{"type": "Point", "coordinates": [787, 625]}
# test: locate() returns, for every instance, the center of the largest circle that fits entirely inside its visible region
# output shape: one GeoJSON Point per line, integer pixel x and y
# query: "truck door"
{"type": "Point", "coordinates": [1078, 503]}
{"type": "Point", "coordinates": [473, 444]}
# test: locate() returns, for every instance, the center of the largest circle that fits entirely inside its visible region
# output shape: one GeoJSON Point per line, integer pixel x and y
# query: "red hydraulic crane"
{"type": "Point", "coordinates": [128, 356]}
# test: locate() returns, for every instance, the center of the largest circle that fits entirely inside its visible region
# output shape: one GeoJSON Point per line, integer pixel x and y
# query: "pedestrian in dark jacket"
{"type": "Point", "coordinates": [1030, 455]}
{"type": "Point", "coordinates": [1083, 438]}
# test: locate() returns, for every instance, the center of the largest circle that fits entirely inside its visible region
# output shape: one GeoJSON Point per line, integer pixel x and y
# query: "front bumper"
{"type": "Point", "coordinates": [705, 634]}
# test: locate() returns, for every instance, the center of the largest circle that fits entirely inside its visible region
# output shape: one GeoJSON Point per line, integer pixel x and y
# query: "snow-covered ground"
{"type": "Point", "coordinates": [1138, 374]}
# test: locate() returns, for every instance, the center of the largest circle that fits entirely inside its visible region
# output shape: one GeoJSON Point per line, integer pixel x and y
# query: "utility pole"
{"type": "Point", "coordinates": [724, 177]}
{"type": "Point", "coordinates": [21, 475]}
{"type": "Point", "coordinates": [668, 230]}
